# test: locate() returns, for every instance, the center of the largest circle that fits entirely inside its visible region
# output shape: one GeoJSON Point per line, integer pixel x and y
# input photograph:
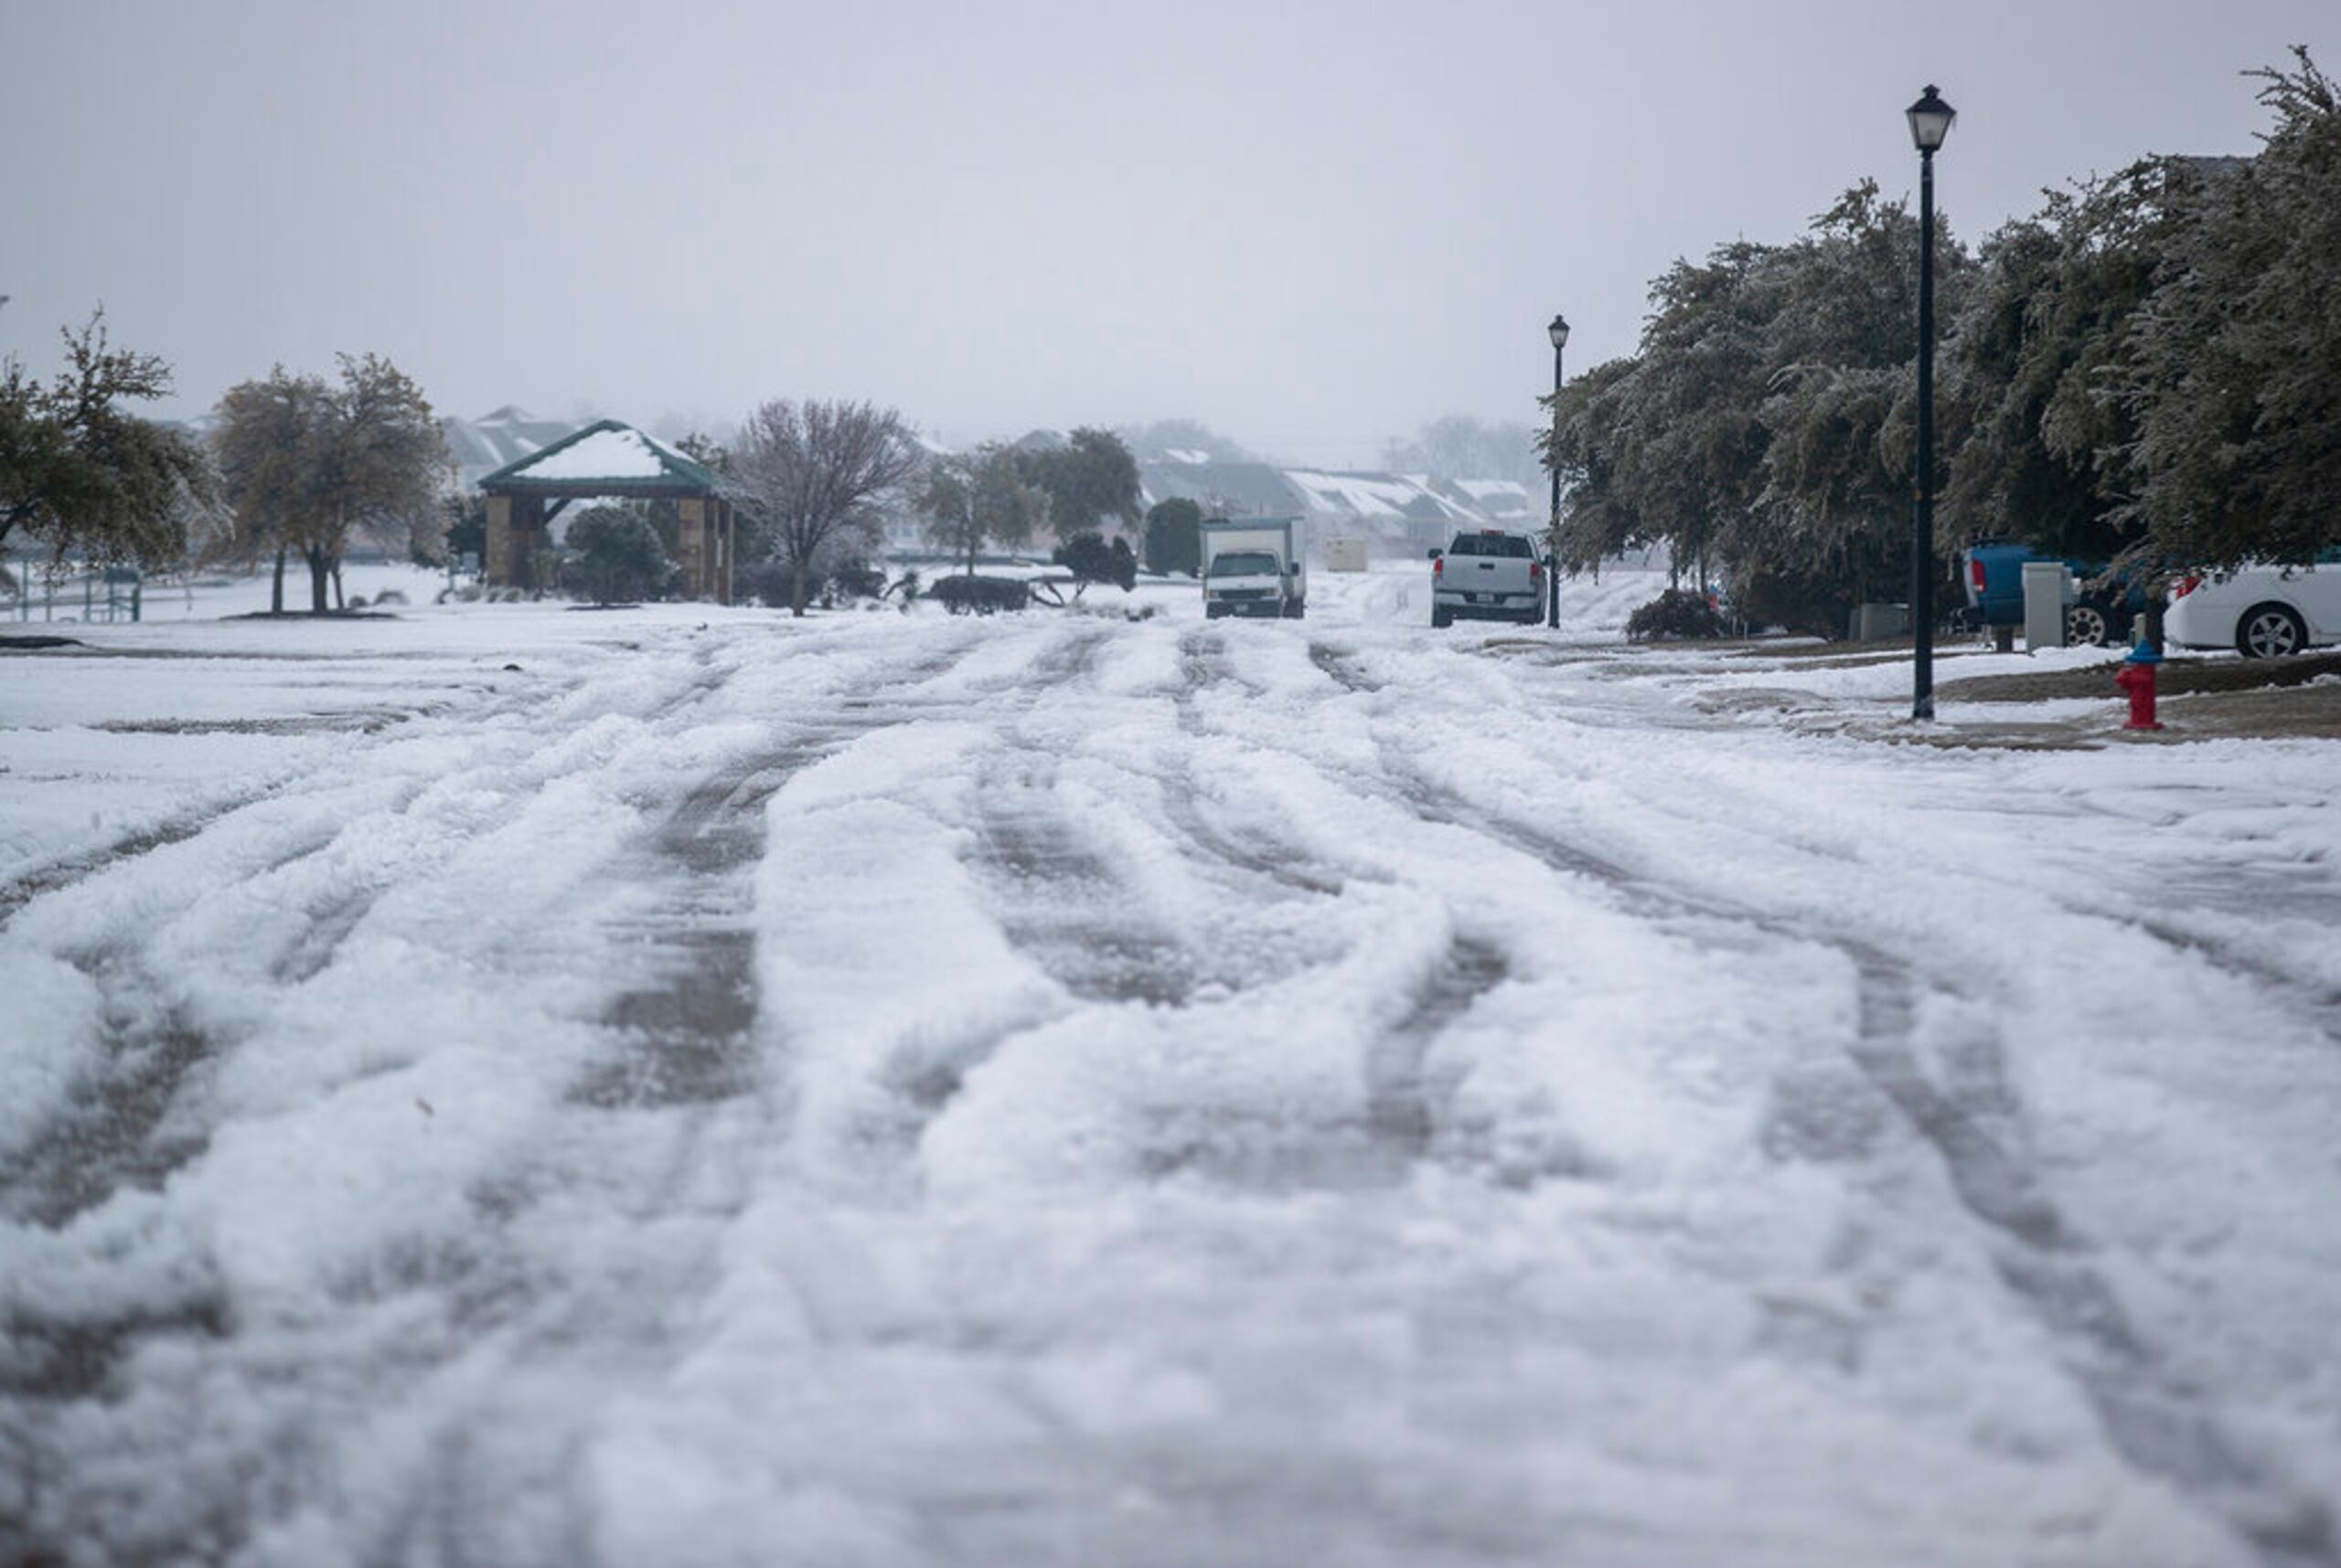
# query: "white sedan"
{"type": "Point", "coordinates": [2262, 612]}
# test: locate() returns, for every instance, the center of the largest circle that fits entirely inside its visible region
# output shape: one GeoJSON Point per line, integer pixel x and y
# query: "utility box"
{"type": "Point", "coordinates": [1876, 623]}
{"type": "Point", "coordinates": [1345, 555]}
{"type": "Point", "coordinates": [2048, 591]}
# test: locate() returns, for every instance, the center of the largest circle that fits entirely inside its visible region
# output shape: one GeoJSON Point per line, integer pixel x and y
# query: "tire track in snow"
{"type": "Point", "coordinates": [2157, 1420]}
{"type": "Point", "coordinates": [109, 1137]}
{"type": "Point", "coordinates": [509, 1303]}
{"type": "Point", "coordinates": [1404, 1117]}
{"type": "Point", "coordinates": [1059, 901]}
{"type": "Point", "coordinates": [689, 1035]}
{"type": "Point", "coordinates": [54, 876]}
{"type": "Point", "coordinates": [1343, 667]}
{"type": "Point", "coordinates": [1057, 894]}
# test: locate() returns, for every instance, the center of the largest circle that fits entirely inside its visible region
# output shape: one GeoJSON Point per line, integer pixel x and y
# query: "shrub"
{"type": "Point", "coordinates": [771, 582]}
{"type": "Point", "coordinates": [981, 595]}
{"type": "Point", "coordinates": [1091, 560]}
{"type": "Point", "coordinates": [616, 555]}
{"type": "Point", "coordinates": [1677, 613]}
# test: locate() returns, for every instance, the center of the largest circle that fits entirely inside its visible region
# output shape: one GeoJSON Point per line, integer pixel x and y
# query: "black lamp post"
{"type": "Point", "coordinates": [1559, 333]}
{"type": "Point", "coordinates": [1931, 120]}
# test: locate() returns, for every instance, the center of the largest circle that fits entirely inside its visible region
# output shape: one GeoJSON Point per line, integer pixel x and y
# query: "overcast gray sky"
{"type": "Point", "coordinates": [1313, 226]}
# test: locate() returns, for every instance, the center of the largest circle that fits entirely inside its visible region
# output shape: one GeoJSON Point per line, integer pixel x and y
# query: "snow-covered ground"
{"type": "Point", "coordinates": [685, 1085]}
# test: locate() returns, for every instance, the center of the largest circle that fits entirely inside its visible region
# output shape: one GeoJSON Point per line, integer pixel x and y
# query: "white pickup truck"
{"type": "Point", "coordinates": [1255, 566]}
{"type": "Point", "coordinates": [1487, 574]}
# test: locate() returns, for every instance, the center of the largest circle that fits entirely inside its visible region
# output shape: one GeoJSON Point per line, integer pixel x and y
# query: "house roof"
{"type": "Point", "coordinates": [1236, 488]}
{"type": "Point", "coordinates": [482, 445]}
{"type": "Point", "coordinates": [608, 457]}
{"type": "Point", "coordinates": [1380, 503]}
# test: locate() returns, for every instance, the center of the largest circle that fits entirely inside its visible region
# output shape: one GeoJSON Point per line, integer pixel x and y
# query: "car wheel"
{"type": "Point", "coordinates": [1441, 619]}
{"type": "Point", "coordinates": [2268, 632]}
{"type": "Point", "coordinates": [2087, 626]}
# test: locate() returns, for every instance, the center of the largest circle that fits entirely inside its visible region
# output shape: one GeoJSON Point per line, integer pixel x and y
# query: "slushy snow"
{"type": "Point", "coordinates": [689, 1085]}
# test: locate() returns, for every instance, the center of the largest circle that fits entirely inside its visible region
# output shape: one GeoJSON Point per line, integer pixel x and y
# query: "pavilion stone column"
{"type": "Point", "coordinates": [691, 542]}
{"type": "Point", "coordinates": [498, 564]}
{"type": "Point", "coordinates": [527, 542]}
{"type": "Point", "coordinates": [724, 551]}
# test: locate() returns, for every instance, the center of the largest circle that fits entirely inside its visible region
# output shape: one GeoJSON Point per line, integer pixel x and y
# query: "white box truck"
{"type": "Point", "coordinates": [1255, 566]}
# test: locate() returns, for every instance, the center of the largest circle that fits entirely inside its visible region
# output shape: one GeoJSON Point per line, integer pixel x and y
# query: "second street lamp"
{"type": "Point", "coordinates": [1931, 120]}
{"type": "Point", "coordinates": [1559, 333]}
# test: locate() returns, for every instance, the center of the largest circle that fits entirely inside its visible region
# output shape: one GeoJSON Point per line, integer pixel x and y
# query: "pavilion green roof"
{"type": "Point", "coordinates": [609, 457]}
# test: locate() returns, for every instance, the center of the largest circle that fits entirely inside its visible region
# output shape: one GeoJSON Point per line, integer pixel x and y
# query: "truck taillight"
{"type": "Point", "coordinates": [1439, 569]}
{"type": "Point", "coordinates": [1976, 576]}
{"type": "Point", "coordinates": [1535, 572]}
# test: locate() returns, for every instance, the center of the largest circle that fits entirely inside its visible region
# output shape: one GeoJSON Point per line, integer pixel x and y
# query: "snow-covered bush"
{"type": "Point", "coordinates": [981, 595]}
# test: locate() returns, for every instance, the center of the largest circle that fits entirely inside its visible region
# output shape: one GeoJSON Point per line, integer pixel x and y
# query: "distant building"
{"type": "Point", "coordinates": [1394, 514]}
{"type": "Point", "coordinates": [498, 440]}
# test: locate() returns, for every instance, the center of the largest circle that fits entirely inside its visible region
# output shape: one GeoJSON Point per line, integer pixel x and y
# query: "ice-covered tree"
{"type": "Point", "coordinates": [980, 499]}
{"type": "Point", "coordinates": [2233, 376]}
{"type": "Point", "coordinates": [265, 440]}
{"type": "Point", "coordinates": [310, 463]}
{"type": "Point", "coordinates": [83, 475]}
{"type": "Point", "coordinates": [1765, 422]}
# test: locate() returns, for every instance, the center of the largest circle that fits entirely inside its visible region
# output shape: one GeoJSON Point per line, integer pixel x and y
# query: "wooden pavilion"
{"type": "Point", "coordinates": [607, 460]}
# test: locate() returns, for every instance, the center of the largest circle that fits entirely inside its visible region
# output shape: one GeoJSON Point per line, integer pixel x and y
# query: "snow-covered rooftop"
{"type": "Point", "coordinates": [607, 453]}
{"type": "Point", "coordinates": [1372, 495]}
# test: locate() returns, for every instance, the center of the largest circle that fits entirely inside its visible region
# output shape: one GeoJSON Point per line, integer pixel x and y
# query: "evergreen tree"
{"type": "Point", "coordinates": [1092, 476]}
{"type": "Point", "coordinates": [1174, 542]}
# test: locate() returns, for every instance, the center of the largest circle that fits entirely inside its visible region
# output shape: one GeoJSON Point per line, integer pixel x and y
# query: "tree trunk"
{"type": "Point", "coordinates": [319, 565]}
{"type": "Point", "coordinates": [796, 592]}
{"type": "Point", "coordinates": [339, 601]}
{"type": "Point", "coordinates": [276, 588]}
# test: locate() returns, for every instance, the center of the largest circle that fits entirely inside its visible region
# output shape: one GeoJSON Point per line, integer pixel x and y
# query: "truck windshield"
{"type": "Point", "coordinates": [1244, 564]}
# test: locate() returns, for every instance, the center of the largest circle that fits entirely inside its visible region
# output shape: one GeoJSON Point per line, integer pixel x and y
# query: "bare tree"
{"type": "Point", "coordinates": [817, 471]}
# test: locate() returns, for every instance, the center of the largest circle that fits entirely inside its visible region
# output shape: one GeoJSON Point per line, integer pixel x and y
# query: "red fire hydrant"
{"type": "Point", "coordinates": [2136, 676]}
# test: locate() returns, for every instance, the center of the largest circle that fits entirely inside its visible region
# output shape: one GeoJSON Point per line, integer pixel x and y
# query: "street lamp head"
{"type": "Point", "coordinates": [1931, 120]}
{"type": "Point", "coordinates": [1558, 332]}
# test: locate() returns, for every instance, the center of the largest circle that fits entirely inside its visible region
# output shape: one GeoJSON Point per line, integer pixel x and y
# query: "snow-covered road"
{"type": "Point", "coordinates": [685, 1086]}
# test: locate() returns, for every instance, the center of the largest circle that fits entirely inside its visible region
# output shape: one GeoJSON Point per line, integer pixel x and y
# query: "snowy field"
{"type": "Point", "coordinates": [685, 1086]}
